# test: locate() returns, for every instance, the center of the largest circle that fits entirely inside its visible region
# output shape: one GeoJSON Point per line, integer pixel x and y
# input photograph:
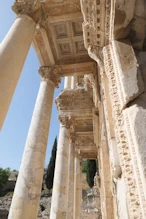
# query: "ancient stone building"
{"type": "Point", "coordinates": [99, 47]}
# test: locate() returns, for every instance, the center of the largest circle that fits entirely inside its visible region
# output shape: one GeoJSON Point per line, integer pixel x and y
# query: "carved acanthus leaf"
{"type": "Point", "coordinates": [31, 8]}
{"type": "Point", "coordinates": [50, 73]}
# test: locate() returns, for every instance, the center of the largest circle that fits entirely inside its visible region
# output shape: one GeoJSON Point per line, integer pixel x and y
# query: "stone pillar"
{"type": "Point", "coordinates": [27, 192]}
{"type": "Point", "coordinates": [59, 196]}
{"type": "Point", "coordinates": [13, 51]}
{"type": "Point", "coordinates": [73, 82]}
{"type": "Point", "coordinates": [67, 82]}
{"type": "Point", "coordinates": [77, 189]}
{"type": "Point", "coordinates": [70, 200]}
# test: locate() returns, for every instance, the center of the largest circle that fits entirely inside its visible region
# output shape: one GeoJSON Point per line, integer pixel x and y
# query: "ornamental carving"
{"type": "Point", "coordinates": [28, 7]}
{"type": "Point", "coordinates": [95, 27]}
{"type": "Point", "coordinates": [50, 73]}
{"type": "Point", "coordinates": [121, 139]}
{"type": "Point", "coordinates": [74, 99]}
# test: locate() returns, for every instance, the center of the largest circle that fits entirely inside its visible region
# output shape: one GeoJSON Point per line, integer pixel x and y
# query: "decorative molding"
{"type": "Point", "coordinates": [67, 7]}
{"type": "Point", "coordinates": [50, 73]}
{"type": "Point", "coordinates": [121, 138]}
{"type": "Point", "coordinates": [74, 99]}
{"type": "Point", "coordinates": [96, 27]}
{"type": "Point", "coordinates": [78, 68]}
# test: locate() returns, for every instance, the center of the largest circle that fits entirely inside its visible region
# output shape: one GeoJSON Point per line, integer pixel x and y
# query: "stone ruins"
{"type": "Point", "coordinates": [99, 46]}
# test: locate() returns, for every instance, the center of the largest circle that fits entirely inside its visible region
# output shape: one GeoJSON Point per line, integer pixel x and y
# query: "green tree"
{"type": "Point", "coordinates": [51, 167]}
{"type": "Point", "coordinates": [84, 166]}
{"type": "Point", "coordinates": [91, 171]}
{"type": "Point", "coordinates": [4, 175]}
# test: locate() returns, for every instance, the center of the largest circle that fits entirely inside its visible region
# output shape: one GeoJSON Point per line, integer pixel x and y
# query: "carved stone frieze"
{"type": "Point", "coordinates": [121, 139]}
{"type": "Point", "coordinates": [31, 8]}
{"type": "Point", "coordinates": [66, 120]}
{"type": "Point", "coordinates": [50, 73]}
{"type": "Point", "coordinates": [74, 99]}
{"type": "Point", "coordinates": [95, 27]}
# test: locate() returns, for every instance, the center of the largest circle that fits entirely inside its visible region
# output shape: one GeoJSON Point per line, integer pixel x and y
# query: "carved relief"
{"type": "Point", "coordinates": [64, 49]}
{"type": "Point", "coordinates": [79, 46]}
{"type": "Point", "coordinates": [77, 28]}
{"type": "Point", "coordinates": [122, 142]}
{"type": "Point", "coordinates": [61, 30]}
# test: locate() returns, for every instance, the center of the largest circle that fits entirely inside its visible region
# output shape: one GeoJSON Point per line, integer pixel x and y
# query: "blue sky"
{"type": "Point", "coordinates": [14, 132]}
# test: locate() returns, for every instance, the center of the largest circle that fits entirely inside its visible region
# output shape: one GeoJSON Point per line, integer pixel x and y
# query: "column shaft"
{"type": "Point", "coordinates": [67, 82]}
{"type": "Point", "coordinates": [29, 183]}
{"type": "Point", "coordinates": [13, 52]}
{"type": "Point", "coordinates": [59, 197]}
{"type": "Point", "coordinates": [73, 82]}
{"type": "Point", "coordinates": [77, 189]}
{"type": "Point", "coordinates": [70, 200]}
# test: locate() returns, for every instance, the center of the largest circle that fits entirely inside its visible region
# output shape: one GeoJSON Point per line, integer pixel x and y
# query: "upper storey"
{"type": "Point", "coordinates": [59, 36]}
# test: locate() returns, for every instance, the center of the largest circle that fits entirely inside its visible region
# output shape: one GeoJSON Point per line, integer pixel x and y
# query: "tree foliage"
{"type": "Point", "coordinates": [51, 167]}
{"type": "Point", "coordinates": [4, 175]}
{"type": "Point", "coordinates": [91, 171]}
{"type": "Point", "coordinates": [84, 166]}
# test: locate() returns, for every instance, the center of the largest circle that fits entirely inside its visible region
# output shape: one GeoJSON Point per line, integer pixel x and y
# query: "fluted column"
{"type": "Point", "coordinates": [59, 196]}
{"type": "Point", "coordinates": [77, 189]}
{"type": "Point", "coordinates": [13, 52]}
{"type": "Point", "coordinates": [29, 183]}
{"type": "Point", "coordinates": [70, 199]}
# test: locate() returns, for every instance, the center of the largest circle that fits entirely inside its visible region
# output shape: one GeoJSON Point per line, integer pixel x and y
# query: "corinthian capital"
{"type": "Point", "coordinates": [66, 120]}
{"type": "Point", "coordinates": [50, 73]}
{"type": "Point", "coordinates": [32, 8]}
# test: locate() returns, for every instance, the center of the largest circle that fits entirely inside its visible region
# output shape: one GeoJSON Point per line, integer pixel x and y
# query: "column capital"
{"type": "Point", "coordinates": [66, 120]}
{"type": "Point", "coordinates": [50, 73]}
{"type": "Point", "coordinates": [32, 8]}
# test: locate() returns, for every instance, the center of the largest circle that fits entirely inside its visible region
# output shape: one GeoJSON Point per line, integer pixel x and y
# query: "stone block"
{"type": "Point", "coordinates": [127, 72]}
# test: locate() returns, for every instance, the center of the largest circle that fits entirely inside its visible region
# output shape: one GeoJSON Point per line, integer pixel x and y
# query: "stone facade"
{"type": "Point", "coordinates": [99, 47]}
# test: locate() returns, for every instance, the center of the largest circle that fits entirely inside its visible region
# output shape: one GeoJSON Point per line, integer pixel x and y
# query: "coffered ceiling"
{"type": "Point", "coordinates": [60, 40]}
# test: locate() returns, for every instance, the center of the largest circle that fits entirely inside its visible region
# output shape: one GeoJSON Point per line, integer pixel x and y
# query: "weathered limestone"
{"type": "Point", "coordinates": [125, 155]}
{"type": "Point", "coordinates": [13, 52]}
{"type": "Point", "coordinates": [59, 196]}
{"type": "Point", "coordinates": [77, 189]}
{"type": "Point", "coordinates": [29, 183]}
{"type": "Point", "coordinates": [67, 82]}
{"type": "Point", "coordinates": [70, 198]}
